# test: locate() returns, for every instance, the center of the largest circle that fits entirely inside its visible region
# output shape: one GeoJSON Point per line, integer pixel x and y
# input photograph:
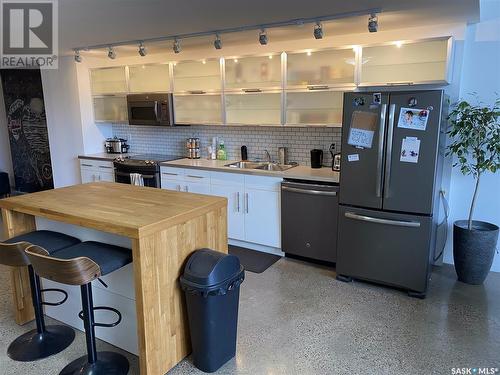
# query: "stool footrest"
{"type": "Point", "coordinates": [54, 290]}
{"type": "Point", "coordinates": [108, 325]}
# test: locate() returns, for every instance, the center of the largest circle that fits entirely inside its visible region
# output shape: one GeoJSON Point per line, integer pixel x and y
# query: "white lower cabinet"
{"type": "Point", "coordinates": [96, 170]}
{"type": "Point", "coordinates": [262, 217]}
{"type": "Point", "coordinates": [187, 180]}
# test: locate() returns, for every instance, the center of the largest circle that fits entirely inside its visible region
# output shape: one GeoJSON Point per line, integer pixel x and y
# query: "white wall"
{"type": "Point", "coordinates": [60, 90]}
{"type": "Point", "coordinates": [480, 74]}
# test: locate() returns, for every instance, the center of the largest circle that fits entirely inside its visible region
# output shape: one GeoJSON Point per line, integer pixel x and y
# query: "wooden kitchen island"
{"type": "Point", "coordinates": [164, 227]}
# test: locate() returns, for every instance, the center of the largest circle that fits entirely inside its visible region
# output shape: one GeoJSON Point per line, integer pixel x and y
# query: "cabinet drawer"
{"type": "Point", "coordinates": [262, 183]}
{"type": "Point", "coordinates": [172, 173]}
{"type": "Point", "coordinates": [86, 163]}
{"type": "Point", "coordinates": [101, 165]}
{"type": "Point", "coordinates": [224, 178]}
{"type": "Point", "coordinates": [197, 175]}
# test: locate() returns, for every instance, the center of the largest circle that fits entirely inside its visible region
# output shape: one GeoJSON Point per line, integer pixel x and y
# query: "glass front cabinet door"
{"type": "Point", "coordinates": [406, 63]}
{"type": "Point", "coordinates": [314, 108]}
{"type": "Point", "coordinates": [108, 81]}
{"type": "Point", "coordinates": [254, 72]}
{"type": "Point", "coordinates": [149, 78]}
{"type": "Point", "coordinates": [321, 69]}
{"type": "Point", "coordinates": [110, 108]}
{"type": "Point", "coordinates": [253, 108]}
{"type": "Point", "coordinates": [201, 109]}
{"type": "Point", "coordinates": [197, 77]}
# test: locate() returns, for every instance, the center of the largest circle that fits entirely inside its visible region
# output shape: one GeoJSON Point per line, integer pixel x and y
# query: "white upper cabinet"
{"type": "Point", "coordinates": [406, 63]}
{"type": "Point", "coordinates": [324, 69]}
{"type": "Point", "coordinates": [108, 80]}
{"type": "Point", "coordinates": [110, 109]}
{"type": "Point", "coordinates": [254, 72]}
{"type": "Point", "coordinates": [314, 108]}
{"type": "Point", "coordinates": [197, 76]}
{"type": "Point", "coordinates": [149, 78]}
{"type": "Point", "coordinates": [263, 108]}
{"type": "Point", "coordinates": [199, 109]}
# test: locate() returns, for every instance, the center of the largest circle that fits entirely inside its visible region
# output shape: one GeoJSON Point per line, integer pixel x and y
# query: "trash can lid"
{"type": "Point", "coordinates": [208, 268]}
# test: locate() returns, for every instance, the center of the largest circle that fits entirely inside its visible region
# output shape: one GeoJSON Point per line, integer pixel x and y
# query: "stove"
{"type": "Point", "coordinates": [147, 165]}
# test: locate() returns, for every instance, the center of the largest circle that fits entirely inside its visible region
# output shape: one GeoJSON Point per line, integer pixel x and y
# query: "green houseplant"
{"type": "Point", "coordinates": [475, 134]}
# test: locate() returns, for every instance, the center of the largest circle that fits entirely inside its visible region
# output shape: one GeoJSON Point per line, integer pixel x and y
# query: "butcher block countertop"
{"type": "Point", "coordinates": [165, 227]}
{"type": "Point", "coordinates": [116, 208]}
{"type": "Point", "coordinates": [302, 172]}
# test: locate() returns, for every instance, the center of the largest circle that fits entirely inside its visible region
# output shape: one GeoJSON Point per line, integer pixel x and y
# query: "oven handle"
{"type": "Point", "coordinates": [128, 175]}
{"type": "Point", "coordinates": [377, 220]}
{"type": "Point", "coordinates": [156, 111]}
{"type": "Point", "coordinates": [312, 192]}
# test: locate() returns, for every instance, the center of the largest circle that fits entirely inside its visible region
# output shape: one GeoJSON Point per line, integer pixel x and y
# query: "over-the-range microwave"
{"type": "Point", "coordinates": [150, 109]}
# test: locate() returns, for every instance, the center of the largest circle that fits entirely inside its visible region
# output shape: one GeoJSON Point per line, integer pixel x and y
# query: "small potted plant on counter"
{"type": "Point", "coordinates": [475, 133]}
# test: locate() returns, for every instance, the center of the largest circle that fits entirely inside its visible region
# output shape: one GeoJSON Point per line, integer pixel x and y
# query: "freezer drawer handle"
{"type": "Point", "coordinates": [412, 224]}
{"type": "Point", "coordinates": [312, 192]}
{"type": "Point", "coordinates": [380, 150]}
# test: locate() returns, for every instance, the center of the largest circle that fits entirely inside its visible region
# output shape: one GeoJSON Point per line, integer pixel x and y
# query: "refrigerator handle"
{"type": "Point", "coordinates": [388, 156]}
{"type": "Point", "coordinates": [377, 220]}
{"type": "Point", "coordinates": [381, 136]}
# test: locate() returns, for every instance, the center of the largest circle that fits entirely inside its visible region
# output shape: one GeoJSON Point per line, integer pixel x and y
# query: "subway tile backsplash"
{"type": "Point", "coordinates": [172, 140]}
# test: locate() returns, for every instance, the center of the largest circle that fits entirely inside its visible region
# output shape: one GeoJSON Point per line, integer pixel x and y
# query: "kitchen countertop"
{"type": "Point", "coordinates": [299, 172]}
{"type": "Point", "coordinates": [104, 156]}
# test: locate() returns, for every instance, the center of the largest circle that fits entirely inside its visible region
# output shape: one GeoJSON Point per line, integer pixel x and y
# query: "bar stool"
{"type": "Point", "coordinates": [45, 340]}
{"type": "Point", "coordinates": [80, 265]}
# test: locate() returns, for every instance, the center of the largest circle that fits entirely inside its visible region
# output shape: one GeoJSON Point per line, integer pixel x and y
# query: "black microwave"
{"type": "Point", "coordinates": [150, 109]}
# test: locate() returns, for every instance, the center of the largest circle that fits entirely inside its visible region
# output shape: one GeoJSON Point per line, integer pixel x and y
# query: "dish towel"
{"type": "Point", "coordinates": [136, 179]}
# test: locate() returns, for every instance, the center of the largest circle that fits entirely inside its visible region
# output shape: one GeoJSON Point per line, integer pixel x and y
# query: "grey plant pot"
{"type": "Point", "coordinates": [473, 250]}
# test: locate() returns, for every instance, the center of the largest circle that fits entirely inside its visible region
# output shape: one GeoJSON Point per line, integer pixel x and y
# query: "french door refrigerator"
{"type": "Point", "coordinates": [392, 153]}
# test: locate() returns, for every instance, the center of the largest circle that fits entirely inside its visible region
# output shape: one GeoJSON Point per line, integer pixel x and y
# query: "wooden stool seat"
{"type": "Point", "coordinates": [43, 341]}
{"type": "Point", "coordinates": [80, 265]}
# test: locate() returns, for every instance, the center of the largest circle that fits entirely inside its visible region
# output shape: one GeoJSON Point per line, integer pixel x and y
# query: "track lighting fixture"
{"type": "Point", "coordinates": [111, 53]}
{"type": "Point", "coordinates": [263, 39]}
{"type": "Point", "coordinates": [318, 31]}
{"type": "Point", "coordinates": [177, 46]}
{"type": "Point", "coordinates": [373, 23]}
{"type": "Point", "coordinates": [142, 50]}
{"type": "Point", "coordinates": [78, 58]}
{"type": "Point", "coordinates": [217, 42]}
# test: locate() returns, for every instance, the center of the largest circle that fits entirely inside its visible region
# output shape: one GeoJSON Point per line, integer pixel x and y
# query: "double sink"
{"type": "Point", "coordinates": [263, 166]}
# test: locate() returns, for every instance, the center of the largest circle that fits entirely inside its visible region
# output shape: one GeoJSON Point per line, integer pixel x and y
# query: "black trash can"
{"type": "Point", "coordinates": [211, 282]}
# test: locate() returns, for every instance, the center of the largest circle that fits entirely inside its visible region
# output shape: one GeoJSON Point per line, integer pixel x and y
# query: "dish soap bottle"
{"type": "Point", "coordinates": [221, 152]}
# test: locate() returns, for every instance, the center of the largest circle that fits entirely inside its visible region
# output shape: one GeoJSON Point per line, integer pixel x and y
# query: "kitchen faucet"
{"type": "Point", "coordinates": [268, 156]}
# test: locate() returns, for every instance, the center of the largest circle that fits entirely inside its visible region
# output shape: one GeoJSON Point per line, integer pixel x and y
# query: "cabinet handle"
{"type": "Point", "coordinates": [238, 200]}
{"type": "Point", "coordinates": [399, 83]}
{"type": "Point", "coordinates": [318, 87]}
{"type": "Point", "coordinates": [86, 165]}
{"type": "Point", "coordinates": [194, 176]}
{"type": "Point", "coordinates": [251, 90]}
{"type": "Point", "coordinates": [105, 167]}
{"type": "Point", "coordinates": [197, 92]}
{"type": "Point", "coordinates": [186, 189]}
{"type": "Point", "coordinates": [178, 188]}
{"type": "Point", "coordinates": [99, 177]}
{"type": "Point", "coordinates": [246, 199]}
{"type": "Point", "coordinates": [169, 174]}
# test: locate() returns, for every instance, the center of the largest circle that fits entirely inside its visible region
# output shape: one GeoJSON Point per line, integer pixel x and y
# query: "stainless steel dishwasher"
{"type": "Point", "coordinates": [309, 218]}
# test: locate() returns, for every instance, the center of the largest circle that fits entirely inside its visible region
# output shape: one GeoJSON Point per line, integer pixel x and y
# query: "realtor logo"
{"type": "Point", "coordinates": [29, 34]}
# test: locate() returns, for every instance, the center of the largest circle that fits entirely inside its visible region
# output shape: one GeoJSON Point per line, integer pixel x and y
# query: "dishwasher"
{"type": "Point", "coordinates": [309, 219]}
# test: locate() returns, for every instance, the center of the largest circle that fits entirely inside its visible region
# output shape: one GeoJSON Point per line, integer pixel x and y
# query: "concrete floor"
{"type": "Point", "coordinates": [295, 318]}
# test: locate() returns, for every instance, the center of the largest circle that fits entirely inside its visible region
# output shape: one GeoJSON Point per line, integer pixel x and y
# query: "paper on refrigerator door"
{"type": "Point", "coordinates": [362, 129]}
{"type": "Point", "coordinates": [413, 118]}
{"type": "Point", "coordinates": [410, 149]}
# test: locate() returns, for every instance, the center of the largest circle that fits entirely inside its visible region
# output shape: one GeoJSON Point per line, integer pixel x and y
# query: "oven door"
{"type": "Point", "coordinates": [150, 180]}
{"type": "Point", "coordinates": [144, 112]}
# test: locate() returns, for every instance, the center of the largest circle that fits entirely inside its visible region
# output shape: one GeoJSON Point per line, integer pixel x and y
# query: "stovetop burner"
{"type": "Point", "coordinates": [146, 159]}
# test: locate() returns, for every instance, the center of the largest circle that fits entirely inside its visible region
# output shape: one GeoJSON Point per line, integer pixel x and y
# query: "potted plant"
{"type": "Point", "coordinates": [475, 133]}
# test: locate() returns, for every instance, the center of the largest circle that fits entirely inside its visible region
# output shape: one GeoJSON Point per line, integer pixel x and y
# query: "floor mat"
{"type": "Point", "coordinates": [254, 261]}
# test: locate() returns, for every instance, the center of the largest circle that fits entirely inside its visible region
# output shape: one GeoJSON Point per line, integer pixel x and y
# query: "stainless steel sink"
{"type": "Point", "coordinates": [264, 166]}
{"type": "Point", "coordinates": [275, 167]}
{"type": "Point", "coordinates": [245, 164]}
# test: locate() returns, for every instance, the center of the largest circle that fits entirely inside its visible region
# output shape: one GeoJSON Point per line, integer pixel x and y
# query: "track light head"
{"type": "Point", "coordinates": [176, 46]}
{"type": "Point", "coordinates": [373, 23]}
{"type": "Point", "coordinates": [217, 42]}
{"type": "Point", "coordinates": [142, 50]}
{"type": "Point", "coordinates": [111, 53]}
{"type": "Point", "coordinates": [78, 58]}
{"type": "Point", "coordinates": [263, 38]}
{"type": "Point", "coordinates": [318, 31]}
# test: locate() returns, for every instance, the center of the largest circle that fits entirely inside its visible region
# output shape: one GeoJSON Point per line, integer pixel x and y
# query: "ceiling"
{"type": "Point", "coordinates": [92, 22]}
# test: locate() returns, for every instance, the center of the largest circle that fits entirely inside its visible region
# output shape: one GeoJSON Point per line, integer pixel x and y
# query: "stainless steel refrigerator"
{"type": "Point", "coordinates": [391, 167]}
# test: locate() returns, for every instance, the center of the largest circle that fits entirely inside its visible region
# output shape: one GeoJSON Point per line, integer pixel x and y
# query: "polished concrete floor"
{"type": "Point", "coordinates": [295, 318]}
